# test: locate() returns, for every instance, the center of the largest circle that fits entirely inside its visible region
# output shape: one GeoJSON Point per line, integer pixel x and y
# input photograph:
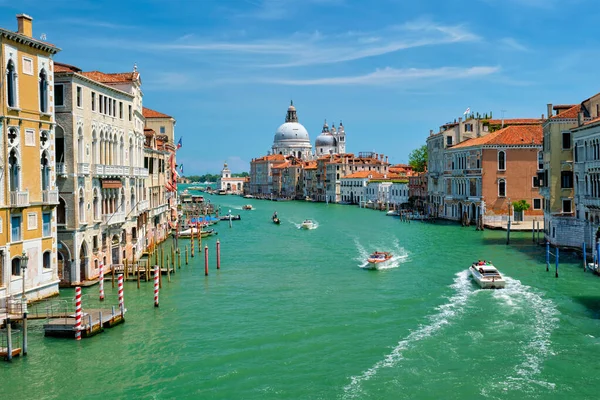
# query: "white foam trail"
{"type": "Point", "coordinates": [446, 312]}
{"type": "Point", "coordinates": [299, 226]}
{"type": "Point", "coordinates": [398, 256]}
{"type": "Point", "coordinates": [537, 348]}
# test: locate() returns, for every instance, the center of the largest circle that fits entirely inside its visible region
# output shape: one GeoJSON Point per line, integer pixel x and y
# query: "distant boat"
{"type": "Point", "coordinates": [247, 207]}
{"type": "Point", "coordinates": [276, 221]}
{"type": "Point", "coordinates": [248, 196]}
{"type": "Point", "coordinates": [307, 224]}
{"type": "Point", "coordinates": [378, 259]}
{"type": "Point", "coordinates": [393, 213]}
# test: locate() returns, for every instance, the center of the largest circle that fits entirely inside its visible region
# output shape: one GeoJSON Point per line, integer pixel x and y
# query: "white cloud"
{"type": "Point", "coordinates": [390, 75]}
{"type": "Point", "coordinates": [512, 44]}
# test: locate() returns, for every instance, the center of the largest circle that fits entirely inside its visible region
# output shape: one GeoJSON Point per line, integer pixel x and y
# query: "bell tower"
{"type": "Point", "coordinates": [341, 139]}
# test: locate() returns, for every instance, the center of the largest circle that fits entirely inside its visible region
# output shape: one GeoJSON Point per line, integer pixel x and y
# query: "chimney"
{"type": "Point", "coordinates": [430, 132]}
{"type": "Point", "coordinates": [24, 25]}
{"type": "Point", "coordinates": [542, 116]}
{"type": "Point", "coordinates": [386, 159]}
{"type": "Point", "coordinates": [549, 110]}
{"type": "Point", "coordinates": [459, 120]}
{"type": "Point", "coordinates": [580, 118]}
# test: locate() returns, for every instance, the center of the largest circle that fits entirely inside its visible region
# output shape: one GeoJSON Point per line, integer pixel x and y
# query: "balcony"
{"type": "Point", "coordinates": [160, 210]}
{"type": "Point", "coordinates": [19, 199]}
{"type": "Point", "coordinates": [113, 219]}
{"type": "Point", "coordinates": [137, 171]}
{"type": "Point", "coordinates": [61, 169]}
{"type": "Point", "coordinates": [50, 196]}
{"type": "Point", "coordinates": [591, 202]}
{"type": "Point", "coordinates": [458, 172]}
{"type": "Point", "coordinates": [592, 165]}
{"type": "Point", "coordinates": [110, 170]}
{"type": "Point", "coordinates": [83, 168]}
{"type": "Point", "coordinates": [143, 205]}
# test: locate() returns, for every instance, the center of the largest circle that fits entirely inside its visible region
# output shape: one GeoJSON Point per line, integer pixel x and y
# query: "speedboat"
{"type": "Point", "coordinates": [486, 275]}
{"type": "Point", "coordinates": [378, 259]}
{"type": "Point", "coordinates": [247, 207]}
{"type": "Point", "coordinates": [393, 213]}
{"type": "Point", "coordinates": [307, 224]}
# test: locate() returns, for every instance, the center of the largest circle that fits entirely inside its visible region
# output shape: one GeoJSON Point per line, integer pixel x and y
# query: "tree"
{"type": "Point", "coordinates": [521, 205]}
{"type": "Point", "coordinates": [417, 158]}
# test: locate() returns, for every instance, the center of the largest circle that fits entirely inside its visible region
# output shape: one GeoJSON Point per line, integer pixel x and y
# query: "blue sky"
{"type": "Point", "coordinates": [391, 70]}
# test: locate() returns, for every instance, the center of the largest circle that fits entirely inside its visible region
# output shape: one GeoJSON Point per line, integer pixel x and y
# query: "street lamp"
{"type": "Point", "coordinates": [24, 262]}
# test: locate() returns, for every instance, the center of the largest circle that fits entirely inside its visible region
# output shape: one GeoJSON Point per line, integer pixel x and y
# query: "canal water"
{"type": "Point", "coordinates": [291, 315]}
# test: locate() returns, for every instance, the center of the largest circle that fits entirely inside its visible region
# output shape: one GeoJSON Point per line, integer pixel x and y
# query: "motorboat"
{"type": "Point", "coordinates": [307, 224]}
{"type": "Point", "coordinates": [248, 196]}
{"type": "Point", "coordinates": [187, 233]}
{"type": "Point", "coordinates": [393, 213]}
{"type": "Point", "coordinates": [378, 259]}
{"type": "Point", "coordinates": [228, 217]}
{"type": "Point", "coordinates": [486, 275]}
{"type": "Point", "coordinates": [247, 207]}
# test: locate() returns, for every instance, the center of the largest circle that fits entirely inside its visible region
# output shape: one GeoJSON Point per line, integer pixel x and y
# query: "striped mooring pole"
{"type": "Point", "coordinates": [156, 278]}
{"type": "Point", "coordinates": [121, 302]}
{"type": "Point", "coordinates": [78, 313]}
{"type": "Point", "coordinates": [101, 282]}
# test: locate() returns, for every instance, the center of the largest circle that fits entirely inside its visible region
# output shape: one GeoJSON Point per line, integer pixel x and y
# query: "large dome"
{"type": "Point", "coordinates": [291, 131]}
{"type": "Point", "coordinates": [325, 139]}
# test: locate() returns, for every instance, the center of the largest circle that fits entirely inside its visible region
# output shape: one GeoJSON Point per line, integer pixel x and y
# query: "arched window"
{"type": "Point", "coordinates": [131, 154]}
{"type": "Point", "coordinates": [16, 266]}
{"type": "Point", "coordinates": [122, 153]}
{"type": "Point", "coordinates": [94, 148]}
{"type": "Point", "coordinates": [45, 169]}
{"type": "Point", "coordinates": [501, 188]}
{"type": "Point", "coordinates": [81, 206]}
{"type": "Point", "coordinates": [15, 171]}
{"type": "Point", "coordinates": [43, 91]}
{"type": "Point", "coordinates": [501, 161]}
{"type": "Point", "coordinates": [80, 156]}
{"type": "Point", "coordinates": [61, 212]}
{"type": "Point", "coordinates": [11, 84]}
{"type": "Point", "coordinates": [132, 200]}
{"type": "Point", "coordinates": [540, 160]}
{"type": "Point", "coordinates": [46, 260]}
{"type": "Point", "coordinates": [96, 205]}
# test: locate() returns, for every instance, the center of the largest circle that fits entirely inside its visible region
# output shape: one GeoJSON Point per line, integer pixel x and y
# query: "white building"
{"type": "Point", "coordinates": [229, 184]}
{"type": "Point", "coordinates": [331, 141]}
{"type": "Point", "coordinates": [352, 187]}
{"type": "Point", "coordinates": [292, 138]}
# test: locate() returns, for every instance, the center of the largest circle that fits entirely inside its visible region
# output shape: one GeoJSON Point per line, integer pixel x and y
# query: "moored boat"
{"type": "Point", "coordinates": [486, 275]}
{"type": "Point", "coordinates": [378, 259]}
{"type": "Point", "coordinates": [393, 213]}
{"type": "Point", "coordinates": [188, 233]}
{"type": "Point", "coordinates": [307, 224]}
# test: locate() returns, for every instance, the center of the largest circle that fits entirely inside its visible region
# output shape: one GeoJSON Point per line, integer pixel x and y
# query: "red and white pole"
{"type": "Point", "coordinates": [156, 278]}
{"type": "Point", "coordinates": [78, 313]}
{"type": "Point", "coordinates": [101, 282]}
{"type": "Point", "coordinates": [206, 260]}
{"type": "Point", "coordinates": [121, 303]}
{"type": "Point", "coordinates": [218, 254]}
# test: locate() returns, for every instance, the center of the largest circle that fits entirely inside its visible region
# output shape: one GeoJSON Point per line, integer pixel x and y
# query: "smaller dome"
{"type": "Point", "coordinates": [325, 139]}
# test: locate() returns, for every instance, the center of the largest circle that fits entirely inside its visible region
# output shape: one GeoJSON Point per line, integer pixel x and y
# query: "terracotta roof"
{"type": "Point", "coordinates": [148, 113]}
{"type": "Point", "coordinates": [272, 157]}
{"type": "Point", "coordinates": [119, 77]}
{"type": "Point", "coordinates": [570, 113]}
{"type": "Point", "coordinates": [511, 135]}
{"type": "Point", "coordinates": [516, 121]}
{"type": "Point", "coordinates": [62, 67]}
{"type": "Point", "coordinates": [365, 175]}
{"type": "Point", "coordinates": [563, 106]}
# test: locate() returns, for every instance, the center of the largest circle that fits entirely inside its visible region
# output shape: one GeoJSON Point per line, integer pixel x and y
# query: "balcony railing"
{"type": "Point", "coordinates": [590, 201]}
{"type": "Point", "coordinates": [137, 171]}
{"type": "Point", "coordinates": [160, 209]}
{"type": "Point", "coordinates": [61, 169]}
{"type": "Point", "coordinates": [50, 196]}
{"type": "Point", "coordinates": [19, 199]}
{"type": "Point", "coordinates": [115, 218]}
{"type": "Point", "coordinates": [143, 205]}
{"type": "Point", "coordinates": [83, 168]}
{"type": "Point", "coordinates": [110, 170]}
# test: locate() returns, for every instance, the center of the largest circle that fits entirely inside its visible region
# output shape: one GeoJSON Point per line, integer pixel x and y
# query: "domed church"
{"type": "Point", "coordinates": [331, 141]}
{"type": "Point", "coordinates": [292, 138]}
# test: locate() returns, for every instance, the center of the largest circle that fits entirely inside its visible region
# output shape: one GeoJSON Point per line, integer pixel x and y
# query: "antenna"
{"type": "Point", "coordinates": [43, 36]}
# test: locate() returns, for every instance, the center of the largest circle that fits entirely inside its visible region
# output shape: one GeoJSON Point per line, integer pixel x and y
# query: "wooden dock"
{"type": "Point", "coordinates": [93, 322]}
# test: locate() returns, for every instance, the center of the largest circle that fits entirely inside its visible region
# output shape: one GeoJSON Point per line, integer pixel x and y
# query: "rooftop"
{"type": "Point", "coordinates": [513, 135]}
{"type": "Point", "coordinates": [567, 113]}
{"type": "Point", "coordinates": [148, 113]}
{"type": "Point", "coordinates": [117, 77]}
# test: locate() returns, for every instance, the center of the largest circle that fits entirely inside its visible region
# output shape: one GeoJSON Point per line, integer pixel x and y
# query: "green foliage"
{"type": "Point", "coordinates": [417, 158]}
{"type": "Point", "coordinates": [213, 177]}
{"type": "Point", "coordinates": [521, 205]}
{"type": "Point", "coordinates": [242, 175]}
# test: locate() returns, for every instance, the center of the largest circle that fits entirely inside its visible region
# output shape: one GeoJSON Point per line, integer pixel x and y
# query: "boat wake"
{"type": "Point", "coordinates": [399, 255]}
{"type": "Point", "coordinates": [533, 351]}
{"type": "Point", "coordinates": [445, 314]}
{"type": "Point", "coordinates": [314, 226]}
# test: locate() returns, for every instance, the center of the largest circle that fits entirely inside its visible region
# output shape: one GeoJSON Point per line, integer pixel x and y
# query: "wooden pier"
{"type": "Point", "coordinates": [94, 321]}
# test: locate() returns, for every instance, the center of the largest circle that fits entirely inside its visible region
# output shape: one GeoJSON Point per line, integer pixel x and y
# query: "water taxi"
{"type": "Point", "coordinates": [247, 207]}
{"type": "Point", "coordinates": [378, 259]}
{"type": "Point", "coordinates": [307, 224]}
{"type": "Point", "coordinates": [486, 275]}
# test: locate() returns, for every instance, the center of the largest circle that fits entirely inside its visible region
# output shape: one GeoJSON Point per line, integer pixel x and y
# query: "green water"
{"type": "Point", "coordinates": [292, 316]}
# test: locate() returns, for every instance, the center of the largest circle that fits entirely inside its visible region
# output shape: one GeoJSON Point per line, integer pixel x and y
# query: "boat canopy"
{"type": "Point", "coordinates": [203, 220]}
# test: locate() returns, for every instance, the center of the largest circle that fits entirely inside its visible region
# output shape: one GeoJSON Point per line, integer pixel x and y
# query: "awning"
{"type": "Point", "coordinates": [111, 184]}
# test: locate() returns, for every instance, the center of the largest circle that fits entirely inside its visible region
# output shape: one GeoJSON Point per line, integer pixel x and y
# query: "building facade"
{"type": "Point", "coordinates": [230, 184]}
{"type": "Point", "coordinates": [29, 196]}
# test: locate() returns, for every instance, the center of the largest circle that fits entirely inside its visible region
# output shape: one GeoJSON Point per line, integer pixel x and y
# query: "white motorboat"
{"type": "Point", "coordinates": [307, 224]}
{"type": "Point", "coordinates": [378, 260]}
{"type": "Point", "coordinates": [393, 213]}
{"type": "Point", "coordinates": [486, 275]}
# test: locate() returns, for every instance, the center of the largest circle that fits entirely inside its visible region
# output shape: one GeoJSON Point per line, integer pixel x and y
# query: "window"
{"type": "Point", "coordinates": [16, 266]}
{"type": "Point", "coordinates": [15, 228]}
{"type": "Point", "coordinates": [93, 101]}
{"type": "Point", "coordinates": [540, 160]}
{"type": "Point", "coordinates": [105, 105]}
{"type": "Point", "coordinates": [101, 102]}
{"type": "Point", "coordinates": [59, 95]}
{"type": "Point", "coordinates": [43, 91]}
{"type": "Point", "coordinates": [501, 188]}
{"type": "Point", "coordinates": [121, 109]}
{"type": "Point", "coordinates": [45, 171]}
{"type": "Point", "coordinates": [468, 127]}
{"type": "Point", "coordinates": [79, 95]}
{"type": "Point", "coordinates": [14, 171]}
{"type": "Point", "coordinates": [448, 140]}
{"type": "Point", "coordinates": [46, 260]}
{"type": "Point", "coordinates": [46, 224]}
{"type": "Point", "coordinates": [536, 182]}
{"type": "Point", "coordinates": [114, 113]}
{"type": "Point", "coordinates": [81, 207]}
{"type": "Point", "coordinates": [566, 206]}
{"type": "Point", "coordinates": [110, 103]}
{"type": "Point", "coordinates": [566, 140]}
{"type": "Point", "coordinates": [95, 242]}
{"type": "Point", "coordinates": [130, 115]}
{"type": "Point", "coordinates": [162, 129]}
{"type": "Point", "coordinates": [501, 161]}
{"type": "Point", "coordinates": [566, 179]}
{"type": "Point", "coordinates": [11, 84]}
{"type": "Point", "coordinates": [537, 204]}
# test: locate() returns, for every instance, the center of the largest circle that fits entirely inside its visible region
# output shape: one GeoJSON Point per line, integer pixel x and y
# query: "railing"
{"type": "Point", "coordinates": [50, 196]}
{"type": "Point", "coordinates": [137, 171]}
{"type": "Point", "coordinates": [143, 205]}
{"type": "Point", "coordinates": [160, 209]}
{"type": "Point", "coordinates": [456, 172]}
{"type": "Point", "coordinates": [110, 170]}
{"type": "Point", "coordinates": [19, 199]}
{"type": "Point", "coordinates": [83, 168]}
{"type": "Point", "coordinates": [115, 218]}
{"type": "Point", "coordinates": [61, 168]}
{"type": "Point", "coordinates": [590, 201]}
{"type": "Point", "coordinates": [592, 164]}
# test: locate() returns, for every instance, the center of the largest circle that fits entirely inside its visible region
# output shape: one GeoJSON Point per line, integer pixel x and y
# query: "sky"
{"type": "Point", "coordinates": [391, 70]}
